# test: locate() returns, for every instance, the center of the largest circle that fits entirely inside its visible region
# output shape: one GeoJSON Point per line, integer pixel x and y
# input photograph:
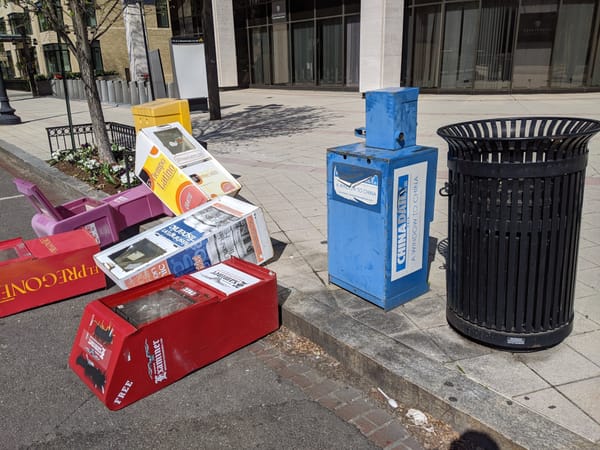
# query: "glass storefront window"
{"type": "Point", "coordinates": [537, 24]}
{"type": "Point", "coordinates": [260, 61]}
{"type": "Point", "coordinates": [186, 17]}
{"type": "Point", "coordinates": [572, 43]}
{"type": "Point", "coordinates": [299, 42]}
{"type": "Point", "coordinates": [595, 75]}
{"type": "Point", "coordinates": [426, 38]}
{"type": "Point", "coordinates": [459, 47]}
{"type": "Point", "coordinates": [493, 64]}
{"type": "Point", "coordinates": [352, 50]}
{"type": "Point", "coordinates": [303, 40]}
{"type": "Point", "coordinates": [503, 45]}
{"type": "Point", "coordinates": [331, 51]}
{"type": "Point", "coordinates": [10, 67]}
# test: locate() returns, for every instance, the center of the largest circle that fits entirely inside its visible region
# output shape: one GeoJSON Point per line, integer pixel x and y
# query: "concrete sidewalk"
{"type": "Point", "coordinates": [276, 142]}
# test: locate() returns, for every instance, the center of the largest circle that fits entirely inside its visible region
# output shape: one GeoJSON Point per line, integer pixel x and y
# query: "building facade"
{"type": "Point", "coordinates": [459, 46]}
{"type": "Point", "coordinates": [27, 37]}
{"type": "Point", "coordinates": [440, 46]}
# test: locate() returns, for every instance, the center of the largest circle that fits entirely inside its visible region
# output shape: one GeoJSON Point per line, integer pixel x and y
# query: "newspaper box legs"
{"type": "Point", "coordinates": [134, 343]}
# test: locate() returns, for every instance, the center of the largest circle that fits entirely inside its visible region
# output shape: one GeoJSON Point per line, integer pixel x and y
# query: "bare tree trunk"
{"type": "Point", "coordinates": [84, 56]}
{"type": "Point", "coordinates": [96, 114]}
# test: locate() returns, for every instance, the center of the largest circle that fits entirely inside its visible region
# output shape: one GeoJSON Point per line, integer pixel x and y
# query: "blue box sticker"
{"type": "Point", "coordinates": [358, 186]}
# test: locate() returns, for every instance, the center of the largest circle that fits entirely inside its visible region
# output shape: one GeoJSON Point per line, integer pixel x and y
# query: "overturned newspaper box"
{"type": "Point", "coordinates": [136, 342]}
{"type": "Point", "coordinates": [47, 269]}
{"type": "Point", "coordinates": [178, 169]}
{"type": "Point", "coordinates": [206, 235]}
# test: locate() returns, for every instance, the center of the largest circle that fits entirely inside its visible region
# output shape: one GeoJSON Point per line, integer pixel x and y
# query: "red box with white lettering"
{"type": "Point", "coordinates": [136, 342]}
{"type": "Point", "coordinates": [47, 269]}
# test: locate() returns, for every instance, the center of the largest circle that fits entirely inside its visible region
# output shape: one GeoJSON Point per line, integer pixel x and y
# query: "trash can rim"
{"type": "Point", "coordinates": [442, 131]}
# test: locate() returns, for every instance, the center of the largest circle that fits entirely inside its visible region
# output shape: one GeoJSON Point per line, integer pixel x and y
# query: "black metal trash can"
{"type": "Point", "coordinates": [515, 195]}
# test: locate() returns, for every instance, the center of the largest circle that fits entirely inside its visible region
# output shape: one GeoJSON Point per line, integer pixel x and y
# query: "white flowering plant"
{"type": "Point", "coordinates": [83, 163]}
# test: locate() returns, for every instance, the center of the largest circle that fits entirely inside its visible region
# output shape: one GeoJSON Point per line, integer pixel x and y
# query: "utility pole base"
{"type": "Point", "coordinates": [7, 115]}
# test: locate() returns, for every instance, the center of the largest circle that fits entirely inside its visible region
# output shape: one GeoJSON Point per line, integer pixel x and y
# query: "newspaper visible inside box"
{"type": "Point", "coordinates": [178, 169]}
{"type": "Point", "coordinates": [152, 307]}
{"type": "Point", "coordinates": [199, 238]}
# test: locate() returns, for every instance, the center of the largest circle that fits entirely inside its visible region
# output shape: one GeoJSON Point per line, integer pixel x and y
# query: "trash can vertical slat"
{"type": "Point", "coordinates": [515, 203]}
{"type": "Point", "coordinates": [487, 256]}
{"type": "Point", "coordinates": [524, 257]}
{"type": "Point", "coordinates": [560, 313]}
{"type": "Point", "coordinates": [469, 238]}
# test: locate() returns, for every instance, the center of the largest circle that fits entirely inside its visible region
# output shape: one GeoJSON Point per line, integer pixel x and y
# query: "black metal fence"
{"type": "Point", "coordinates": [59, 138]}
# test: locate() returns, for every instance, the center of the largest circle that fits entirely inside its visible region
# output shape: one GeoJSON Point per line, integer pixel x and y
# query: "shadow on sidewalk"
{"type": "Point", "coordinates": [260, 121]}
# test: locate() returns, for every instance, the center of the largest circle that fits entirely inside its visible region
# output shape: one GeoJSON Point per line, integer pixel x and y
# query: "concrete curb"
{"type": "Point", "coordinates": [23, 160]}
{"type": "Point", "coordinates": [414, 379]}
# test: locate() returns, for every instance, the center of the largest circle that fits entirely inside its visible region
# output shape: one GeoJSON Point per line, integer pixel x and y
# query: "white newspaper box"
{"type": "Point", "coordinates": [202, 237]}
{"type": "Point", "coordinates": [178, 169]}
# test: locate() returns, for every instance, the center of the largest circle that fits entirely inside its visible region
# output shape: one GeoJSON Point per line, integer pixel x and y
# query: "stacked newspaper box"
{"type": "Point", "coordinates": [206, 235]}
{"type": "Point", "coordinates": [181, 172]}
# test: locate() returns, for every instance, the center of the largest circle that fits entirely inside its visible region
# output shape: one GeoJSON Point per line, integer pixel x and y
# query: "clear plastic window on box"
{"type": "Point", "coordinates": [152, 307]}
{"type": "Point", "coordinates": [7, 254]}
{"type": "Point", "coordinates": [136, 254]}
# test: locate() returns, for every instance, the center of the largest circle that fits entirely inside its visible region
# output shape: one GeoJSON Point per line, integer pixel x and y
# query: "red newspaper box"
{"type": "Point", "coordinates": [135, 342]}
{"type": "Point", "coordinates": [47, 269]}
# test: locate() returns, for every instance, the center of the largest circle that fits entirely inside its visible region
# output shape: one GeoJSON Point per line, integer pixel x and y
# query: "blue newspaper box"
{"type": "Point", "coordinates": [380, 204]}
{"type": "Point", "coordinates": [391, 118]}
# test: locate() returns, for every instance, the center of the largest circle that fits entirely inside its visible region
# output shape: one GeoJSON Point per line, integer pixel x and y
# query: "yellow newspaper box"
{"type": "Point", "coordinates": [160, 112]}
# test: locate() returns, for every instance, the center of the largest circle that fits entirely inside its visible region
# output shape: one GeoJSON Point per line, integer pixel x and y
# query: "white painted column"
{"type": "Point", "coordinates": [381, 27]}
{"type": "Point", "coordinates": [138, 64]}
{"type": "Point", "coordinates": [225, 42]}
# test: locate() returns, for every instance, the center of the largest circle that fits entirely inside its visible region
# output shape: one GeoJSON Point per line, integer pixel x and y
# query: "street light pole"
{"type": "Point", "coordinates": [210, 54]}
{"type": "Point", "coordinates": [65, 88]}
{"type": "Point", "coordinates": [7, 113]}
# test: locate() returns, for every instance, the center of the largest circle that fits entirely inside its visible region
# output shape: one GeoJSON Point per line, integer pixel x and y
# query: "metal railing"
{"type": "Point", "coordinates": [59, 138]}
